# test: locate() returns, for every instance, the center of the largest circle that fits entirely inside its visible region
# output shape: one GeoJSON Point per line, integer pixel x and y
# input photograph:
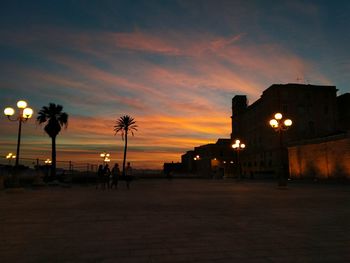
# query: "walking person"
{"type": "Point", "coordinates": [99, 179]}
{"type": "Point", "coordinates": [128, 173]}
{"type": "Point", "coordinates": [115, 176]}
{"type": "Point", "coordinates": [106, 175]}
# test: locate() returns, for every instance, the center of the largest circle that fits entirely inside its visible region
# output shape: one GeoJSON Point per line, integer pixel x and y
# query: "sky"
{"type": "Point", "coordinates": [172, 65]}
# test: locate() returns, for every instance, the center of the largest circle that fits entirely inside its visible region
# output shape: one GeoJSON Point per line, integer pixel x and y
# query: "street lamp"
{"type": "Point", "coordinates": [10, 156]}
{"type": "Point", "coordinates": [280, 124]}
{"type": "Point", "coordinates": [197, 158]}
{"type": "Point", "coordinates": [237, 147]}
{"type": "Point", "coordinates": [105, 156]}
{"type": "Point", "coordinates": [24, 114]}
{"type": "Point", "coordinates": [48, 161]}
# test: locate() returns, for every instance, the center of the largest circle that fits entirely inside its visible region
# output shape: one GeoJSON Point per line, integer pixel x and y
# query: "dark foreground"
{"type": "Point", "coordinates": [177, 221]}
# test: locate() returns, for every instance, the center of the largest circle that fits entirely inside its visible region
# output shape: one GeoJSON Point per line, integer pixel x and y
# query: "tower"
{"type": "Point", "coordinates": [239, 106]}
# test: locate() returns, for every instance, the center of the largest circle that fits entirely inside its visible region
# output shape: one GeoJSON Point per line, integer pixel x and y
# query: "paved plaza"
{"type": "Point", "coordinates": [177, 221]}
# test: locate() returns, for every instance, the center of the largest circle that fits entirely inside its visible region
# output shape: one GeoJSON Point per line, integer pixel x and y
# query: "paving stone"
{"type": "Point", "coordinates": [177, 221]}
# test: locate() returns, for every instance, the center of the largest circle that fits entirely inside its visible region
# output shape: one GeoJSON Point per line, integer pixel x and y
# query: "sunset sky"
{"type": "Point", "coordinates": [172, 65]}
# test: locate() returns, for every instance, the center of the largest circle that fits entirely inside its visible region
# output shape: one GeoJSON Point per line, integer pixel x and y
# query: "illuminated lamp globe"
{"type": "Point", "coordinates": [9, 111]}
{"type": "Point", "coordinates": [21, 104]}
{"type": "Point", "coordinates": [102, 155]}
{"type": "Point", "coordinates": [27, 113]}
{"type": "Point", "coordinates": [238, 141]}
{"type": "Point", "coordinates": [242, 145]}
{"type": "Point", "coordinates": [278, 116]}
{"type": "Point", "coordinates": [288, 122]}
{"type": "Point", "coordinates": [274, 123]}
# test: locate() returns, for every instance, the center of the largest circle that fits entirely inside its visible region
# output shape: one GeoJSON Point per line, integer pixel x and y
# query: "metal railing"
{"type": "Point", "coordinates": [60, 165]}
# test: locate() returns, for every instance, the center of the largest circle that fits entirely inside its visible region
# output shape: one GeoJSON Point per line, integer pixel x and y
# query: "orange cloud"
{"type": "Point", "coordinates": [180, 98]}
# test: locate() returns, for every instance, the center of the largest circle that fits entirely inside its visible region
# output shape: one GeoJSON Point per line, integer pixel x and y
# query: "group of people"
{"type": "Point", "coordinates": [107, 179]}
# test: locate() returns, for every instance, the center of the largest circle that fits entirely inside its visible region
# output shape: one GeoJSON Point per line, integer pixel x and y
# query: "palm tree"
{"type": "Point", "coordinates": [55, 119]}
{"type": "Point", "coordinates": [124, 125]}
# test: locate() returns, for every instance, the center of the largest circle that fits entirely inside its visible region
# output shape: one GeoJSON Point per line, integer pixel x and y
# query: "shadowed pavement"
{"type": "Point", "coordinates": [177, 221]}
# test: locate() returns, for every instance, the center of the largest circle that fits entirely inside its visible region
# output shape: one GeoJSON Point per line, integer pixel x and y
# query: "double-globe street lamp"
{"type": "Point", "coordinates": [280, 124]}
{"type": "Point", "coordinates": [10, 156]}
{"type": "Point", "coordinates": [23, 115]}
{"type": "Point", "coordinates": [105, 156]}
{"type": "Point", "coordinates": [237, 147]}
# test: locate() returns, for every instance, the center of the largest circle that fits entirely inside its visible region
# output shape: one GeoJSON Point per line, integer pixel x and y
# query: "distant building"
{"type": "Point", "coordinates": [170, 168]}
{"type": "Point", "coordinates": [315, 110]}
{"type": "Point", "coordinates": [214, 160]}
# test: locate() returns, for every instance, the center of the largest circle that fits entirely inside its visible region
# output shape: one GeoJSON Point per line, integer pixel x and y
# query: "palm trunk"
{"type": "Point", "coordinates": [125, 148]}
{"type": "Point", "coordinates": [53, 157]}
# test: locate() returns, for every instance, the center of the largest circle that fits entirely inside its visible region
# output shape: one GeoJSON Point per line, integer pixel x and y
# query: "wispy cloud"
{"type": "Point", "coordinates": [178, 87]}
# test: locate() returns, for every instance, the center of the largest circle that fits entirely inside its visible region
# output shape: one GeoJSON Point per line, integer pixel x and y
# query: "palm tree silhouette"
{"type": "Point", "coordinates": [124, 125]}
{"type": "Point", "coordinates": [55, 119]}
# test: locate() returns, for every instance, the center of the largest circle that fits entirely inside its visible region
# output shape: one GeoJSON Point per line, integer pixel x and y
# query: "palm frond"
{"type": "Point", "coordinates": [124, 125]}
{"type": "Point", "coordinates": [54, 118]}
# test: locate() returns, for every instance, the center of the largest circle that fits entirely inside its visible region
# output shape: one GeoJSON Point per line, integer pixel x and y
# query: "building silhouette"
{"type": "Point", "coordinates": [313, 110]}
{"type": "Point", "coordinates": [215, 160]}
{"type": "Point", "coordinates": [316, 111]}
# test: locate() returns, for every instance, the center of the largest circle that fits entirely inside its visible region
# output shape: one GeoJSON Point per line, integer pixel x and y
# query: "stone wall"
{"type": "Point", "coordinates": [324, 159]}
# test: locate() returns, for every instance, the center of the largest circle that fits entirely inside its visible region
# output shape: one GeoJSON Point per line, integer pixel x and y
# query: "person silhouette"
{"type": "Point", "coordinates": [106, 175]}
{"type": "Point", "coordinates": [115, 176]}
{"type": "Point", "coordinates": [128, 173]}
{"type": "Point", "coordinates": [99, 179]}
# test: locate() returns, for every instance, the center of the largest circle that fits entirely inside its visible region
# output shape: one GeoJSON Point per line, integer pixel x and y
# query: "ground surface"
{"type": "Point", "coordinates": [177, 221]}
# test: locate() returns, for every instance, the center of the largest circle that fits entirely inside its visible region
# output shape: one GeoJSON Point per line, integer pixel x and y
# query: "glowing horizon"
{"type": "Point", "coordinates": [174, 67]}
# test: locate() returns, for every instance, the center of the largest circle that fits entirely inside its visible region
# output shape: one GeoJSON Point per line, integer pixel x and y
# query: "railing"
{"type": "Point", "coordinates": [60, 165]}
{"type": "Point", "coordinates": [66, 171]}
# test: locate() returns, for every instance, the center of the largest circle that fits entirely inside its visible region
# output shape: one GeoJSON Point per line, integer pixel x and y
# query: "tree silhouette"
{"type": "Point", "coordinates": [124, 125]}
{"type": "Point", "coordinates": [55, 119]}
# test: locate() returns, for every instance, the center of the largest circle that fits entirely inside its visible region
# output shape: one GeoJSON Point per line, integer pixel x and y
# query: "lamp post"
{"type": "Point", "coordinates": [10, 156]}
{"type": "Point", "coordinates": [280, 124]}
{"type": "Point", "coordinates": [24, 114]}
{"type": "Point", "coordinates": [47, 168]}
{"type": "Point", "coordinates": [237, 147]}
{"type": "Point", "coordinates": [105, 156]}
